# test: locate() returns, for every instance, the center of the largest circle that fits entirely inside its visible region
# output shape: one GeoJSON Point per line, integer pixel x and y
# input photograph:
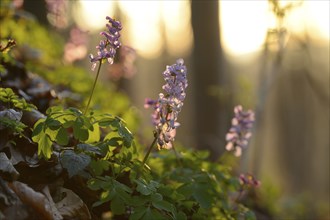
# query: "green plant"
{"type": "Point", "coordinates": [10, 116]}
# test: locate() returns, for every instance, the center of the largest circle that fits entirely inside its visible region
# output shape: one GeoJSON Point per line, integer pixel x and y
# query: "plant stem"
{"type": "Point", "coordinates": [149, 150]}
{"type": "Point", "coordinates": [91, 95]}
{"type": "Point", "coordinates": [177, 155]}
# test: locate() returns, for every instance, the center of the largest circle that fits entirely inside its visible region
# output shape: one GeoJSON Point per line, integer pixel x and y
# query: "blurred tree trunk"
{"type": "Point", "coordinates": [38, 9]}
{"type": "Point", "coordinates": [208, 79]}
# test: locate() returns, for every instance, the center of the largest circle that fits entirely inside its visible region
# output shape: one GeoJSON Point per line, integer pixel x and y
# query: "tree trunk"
{"type": "Point", "coordinates": [208, 65]}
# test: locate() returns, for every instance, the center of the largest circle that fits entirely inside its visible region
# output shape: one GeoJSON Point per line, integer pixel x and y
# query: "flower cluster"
{"type": "Point", "coordinates": [240, 131]}
{"type": "Point", "coordinates": [107, 48]}
{"type": "Point", "coordinates": [248, 181]}
{"type": "Point", "coordinates": [169, 104]}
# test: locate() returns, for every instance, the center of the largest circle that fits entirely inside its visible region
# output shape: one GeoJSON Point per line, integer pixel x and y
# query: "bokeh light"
{"type": "Point", "coordinates": [90, 15]}
{"type": "Point", "coordinates": [155, 26]}
{"type": "Point", "coordinates": [144, 26]}
{"type": "Point", "coordinates": [244, 23]}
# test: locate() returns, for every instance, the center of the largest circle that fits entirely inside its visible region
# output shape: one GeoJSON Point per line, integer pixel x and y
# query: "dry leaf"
{"type": "Point", "coordinates": [71, 206]}
{"type": "Point", "coordinates": [56, 214]}
{"type": "Point", "coordinates": [7, 168]}
{"type": "Point", "coordinates": [37, 201]}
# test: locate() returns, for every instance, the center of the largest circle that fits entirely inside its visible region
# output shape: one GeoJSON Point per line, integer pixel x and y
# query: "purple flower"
{"type": "Point", "coordinates": [248, 180]}
{"type": "Point", "coordinates": [240, 132]}
{"type": "Point", "coordinates": [169, 104]}
{"type": "Point", "coordinates": [107, 47]}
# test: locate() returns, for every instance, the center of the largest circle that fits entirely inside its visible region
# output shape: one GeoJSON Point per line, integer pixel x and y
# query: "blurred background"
{"type": "Point", "coordinates": [268, 56]}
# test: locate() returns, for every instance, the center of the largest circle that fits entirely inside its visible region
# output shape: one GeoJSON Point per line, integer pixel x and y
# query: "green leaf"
{"type": "Point", "coordinates": [98, 166]}
{"type": "Point", "coordinates": [13, 125]}
{"type": "Point", "coordinates": [156, 197]}
{"type": "Point", "coordinates": [89, 148]}
{"type": "Point", "coordinates": [152, 214]}
{"type": "Point", "coordinates": [51, 133]}
{"type": "Point", "coordinates": [52, 123]}
{"type": "Point", "coordinates": [115, 123]}
{"type": "Point", "coordinates": [144, 188]}
{"type": "Point", "coordinates": [62, 137]}
{"type": "Point", "coordinates": [115, 141]}
{"type": "Point", "coordinates": [87, 123]}
{"type": "Point", "coordinates": [100, 183]}
{"type": "Point", "coordinates": [249, 215]}
{"type": "Point", "coordinates": [105, 122]}
{"type": "Point", "coordinates": [117, 206]}
{"type": "Point", "coordinates": [79, 133]}
{"type": "Point", "coordinates": [186, 190]}
{"type": "Point", "coordinates": [75, 111]}
{"type": "Point", "coordinates": [38, 126]}
{"type": "Point", "coordinates": [126, 134]}
{"type": "Point", "coordinates": [68, 123]}
{"type": "Point", "coordinates": [138, 213]}
{"type": "Point", "coordinates": [74, 163]}
{"type": "Point", "coordinates": [94, 135]}
{"type": "Point", "coordinates": [44, 146]}
{"type": "Point", "coordinates": [53, 109]}
{"type": "Point", "coordinates": [8, 96]}
{"type": "Point", "coordinates": [181, 216]}
{"type": "Point", "coordinates": [122, 187]}
{"type": "Point", "coordinates": [202, 195]}
{"type": "Point", "coordinates": [163, 205]}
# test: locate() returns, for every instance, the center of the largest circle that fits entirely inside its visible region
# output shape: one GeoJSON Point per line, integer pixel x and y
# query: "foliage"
{"type": "Point", "coordinates": [11, 115]}
{"type": "Point", "coordinates": [9, 98]}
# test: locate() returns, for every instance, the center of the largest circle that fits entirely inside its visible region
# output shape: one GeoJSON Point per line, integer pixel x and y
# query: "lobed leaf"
{"type": "Point", "coordinates": [117, 206]}
{"type": "Point", "coordinates": [44, 146]}
{"type": "Point", "coordinates": [94, 135]}
{"type": "Point", "coordinates": [62, 137]}
{"type": "Point", "coordinates": [73, 162]}
{"type": "Point", "coordinates": [164, 205]}
{"type": "Point", "coordinates": [203, 196]}
{"type": "Point", "coordinates": [79, 132]}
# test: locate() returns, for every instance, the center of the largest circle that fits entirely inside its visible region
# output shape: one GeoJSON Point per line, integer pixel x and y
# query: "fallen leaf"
{"type": "Point", "coordinates": [36, 200]}
{"type": "Point", "coordinates": [7, 196]}
{"type": "Point", "coordinates": [16, 156]}
{"type": "Point", "coordinates": [7, 168]}
{"type": "Point", "coordinates": [55, 211]}
{"type": "Point", "coordinates": [71, 206]}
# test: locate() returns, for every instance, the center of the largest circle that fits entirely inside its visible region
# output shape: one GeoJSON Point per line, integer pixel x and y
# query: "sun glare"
{"type": "Point", "coordinates": [319, 17]}
{"type": "Point", "coordinates": [143, 26]}
{"type": "Point", "coordinates": [154, 25]}
{"type": "Point", "coordinates": [90, 15]}
{"type": "Point", "coordinates": [176, 16]}
{"type": "Point", "coordinates": [244, 24]}
{"type": "Point", "coordinates": [150, 26]}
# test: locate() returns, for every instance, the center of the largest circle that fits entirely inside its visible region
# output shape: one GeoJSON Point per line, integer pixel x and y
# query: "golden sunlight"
{"type": "Point", "coordinates": [153, 25]}
{"type": "Point", "coordinates": [143, 26]}
{"type": "Point", "coordinates": [244, 24]}
{"type": "Point", "coordinates": [90, 15]}
{"type": "Point", "coordinates": [176, 16]}
{"type": "Point", "coordinates": [315, 18]}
